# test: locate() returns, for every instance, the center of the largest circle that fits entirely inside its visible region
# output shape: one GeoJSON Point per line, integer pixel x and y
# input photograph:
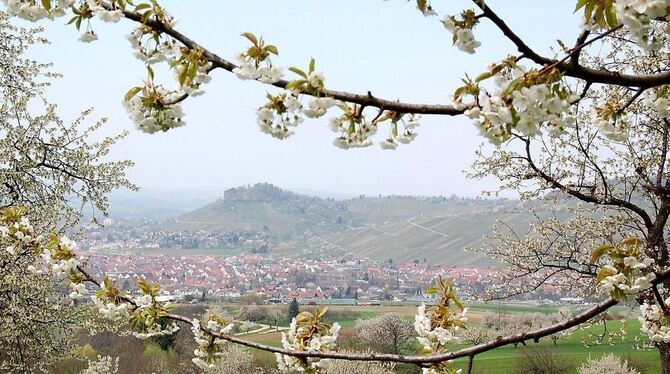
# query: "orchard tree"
{"type": "Point", "coordinates": [387, 333]}
{"type": "Point", "coordinates": [49, 171]}
{"type": "Point", "coordinates": [607, 364]}
{"type": "Point", "coordinates": [588, 125]}
{"type": "Point", "coordinates": [293, 309]}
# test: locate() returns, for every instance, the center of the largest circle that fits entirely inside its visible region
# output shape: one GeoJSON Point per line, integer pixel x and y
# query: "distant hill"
{"type": "Point", "coordinates": [284, 215]}
{"type": "Point", "coordinates": [402, 228]}
{"type": "Point", "coordinates": [436, 230]}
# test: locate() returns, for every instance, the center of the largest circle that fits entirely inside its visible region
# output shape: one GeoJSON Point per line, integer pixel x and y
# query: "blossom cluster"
{"type": "Point", "coordinates": [610, 120]}
{"type": "Point", "coordinates": [307, 333]}
{"type": "Point", "coordinates": [255, 62]}
{"type": "Point", "coordinates": [615, 128]}
{"type": "Point", "coordinates": [281, 113]}
{"type": "Point", "coordinates": [32, 10]}
{"type": "Point", "coordinates": [146, 315]}
{"type": "Point", "coordinates": [151, 47]}
{"type": "Point", "coordinates": [191, 69]}
{"type": "Point", "coordinates": [628, 286]}
{"type": "Point", "coordinates": [157, 330]}
{"type": "Point", "coordinates": [461, 29]}
{"type": "Point", "coordinates": [354, 129]}
{"type": "Point", "coordinates": [636, 16]}
{"type": "Point", "coordinates": [36, 10]}
{"type": "Point", "coordinates": [105, 15]}
{"type": "Point", "coordinates": [18, 228]}
{"type": "Point", "coordinates": [209, 349]}
{"type": "Point", "coordinates": [318, 106]}
{"type": "Point", "coordinates": [525, 100]}
{"type": "Point", "coordinates": [57, 256]}
{"type": "Point", "coordinates": [398, 135]}
{"type": "Point", "coordinates": [154, 108]}
{"type": "Point", "coordinates": [111, 311]}
{"type": "Point", "coordinates": [628, 273]}
{"type": "Point", "coordinates": [659, 101]}
{"type": "Point", "coordinates": [431, 338]}
{"type": "Point", "coordinates": [311, 82]}
{"type": "Point", "coordinates": [437, 326]}
{"type": "Point", "coordinates": [250, 69]}
{"type": "Point", "coordinates": [149, 317]}
{"type": "Point", "coordinates": [654, 322]}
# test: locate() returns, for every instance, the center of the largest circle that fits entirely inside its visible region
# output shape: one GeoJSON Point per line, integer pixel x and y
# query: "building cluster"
{"type": "Point", "coordinates": [141, 234]}
{"type": "Point", "coordinates": [282, 278]}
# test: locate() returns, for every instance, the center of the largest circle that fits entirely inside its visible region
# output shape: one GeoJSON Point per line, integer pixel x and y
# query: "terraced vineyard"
{"type": "Point", "coordinates": [403, 228]}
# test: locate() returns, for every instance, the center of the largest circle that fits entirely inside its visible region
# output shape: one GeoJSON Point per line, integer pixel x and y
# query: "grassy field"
{"type": "Point", "coordinates": [571, 350]}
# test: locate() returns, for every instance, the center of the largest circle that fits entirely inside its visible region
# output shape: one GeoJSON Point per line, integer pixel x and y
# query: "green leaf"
{"type": "Point", "coordinates": [182, 76]}
{"type": "Point", "coordinates": [459, 91]}
{"type": "Point", "coordinates": [604, 273]}
{"type": "Point", "coordinates": [458, 304]}
{"type": "Point", "coordinates": [131, 93]}
{"type": "Point", "coordinates": [432, 290]}
{"type": "Point", "coordinates": [150, 72]}
{"type": "Point", "coordinates": [141, 6]}
{"type": "Point", "coordinates": [295, 85]}
{"type": "Point", "coordinates": [611, 17]}
{"type": "Point", "coordinates": [599, 252]}
{"type": "Point", "coordinates": [46, 4]}
{"type": "Point", "coordinates": [78, 23]}
{"type": "Point", "coordinates": [251, 37]}
{"type": "Point", "coordinates": [192, 70]}
{"type": "Point", "coordinates": [580, 4]}
{"type": "Point", "coordinates": [298, 71]}
{"type": "Point", "coordinates": [272, 49]}
{"type": "Point", "coordinates": [482, 76]}
{"type": "Point", "coordinates": [311, 65]}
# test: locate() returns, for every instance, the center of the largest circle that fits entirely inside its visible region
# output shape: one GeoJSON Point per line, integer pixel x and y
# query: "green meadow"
{"type": "Point", "coordinates": [617, 338]}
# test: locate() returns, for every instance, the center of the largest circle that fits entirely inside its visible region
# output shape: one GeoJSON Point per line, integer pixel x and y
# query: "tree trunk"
{"type": "Point", "coordinates": [664, 349]}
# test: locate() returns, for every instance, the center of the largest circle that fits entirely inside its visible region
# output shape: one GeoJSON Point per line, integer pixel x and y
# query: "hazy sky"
{"type": "Point", "coordinates": [383, 46]}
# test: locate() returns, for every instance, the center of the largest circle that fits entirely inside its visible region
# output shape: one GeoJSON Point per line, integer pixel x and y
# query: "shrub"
{"type": "Point", "coordinates": [540, 360]}
{"type": "Point", "coordinates": [609, 363]}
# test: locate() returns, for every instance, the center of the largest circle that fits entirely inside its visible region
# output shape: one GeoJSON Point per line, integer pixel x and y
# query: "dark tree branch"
{"type": "Point", "coordinates": [571, 68]}
{"type": "Point", "coordinates": [361, 99]}
{"type": "Point", "coordinates": [611, 201]}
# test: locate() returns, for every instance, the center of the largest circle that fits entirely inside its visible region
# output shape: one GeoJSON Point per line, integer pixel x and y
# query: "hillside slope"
{"type": "Point", "coordinates": [401, 228]}
{"type": "Point", "coordinates": [266, 208]}
{"type": "Point", "coordinates": [438, 240]}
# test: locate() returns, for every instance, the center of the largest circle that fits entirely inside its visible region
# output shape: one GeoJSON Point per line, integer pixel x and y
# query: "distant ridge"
{"type": "Point", "coordinates": [401, 228]}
